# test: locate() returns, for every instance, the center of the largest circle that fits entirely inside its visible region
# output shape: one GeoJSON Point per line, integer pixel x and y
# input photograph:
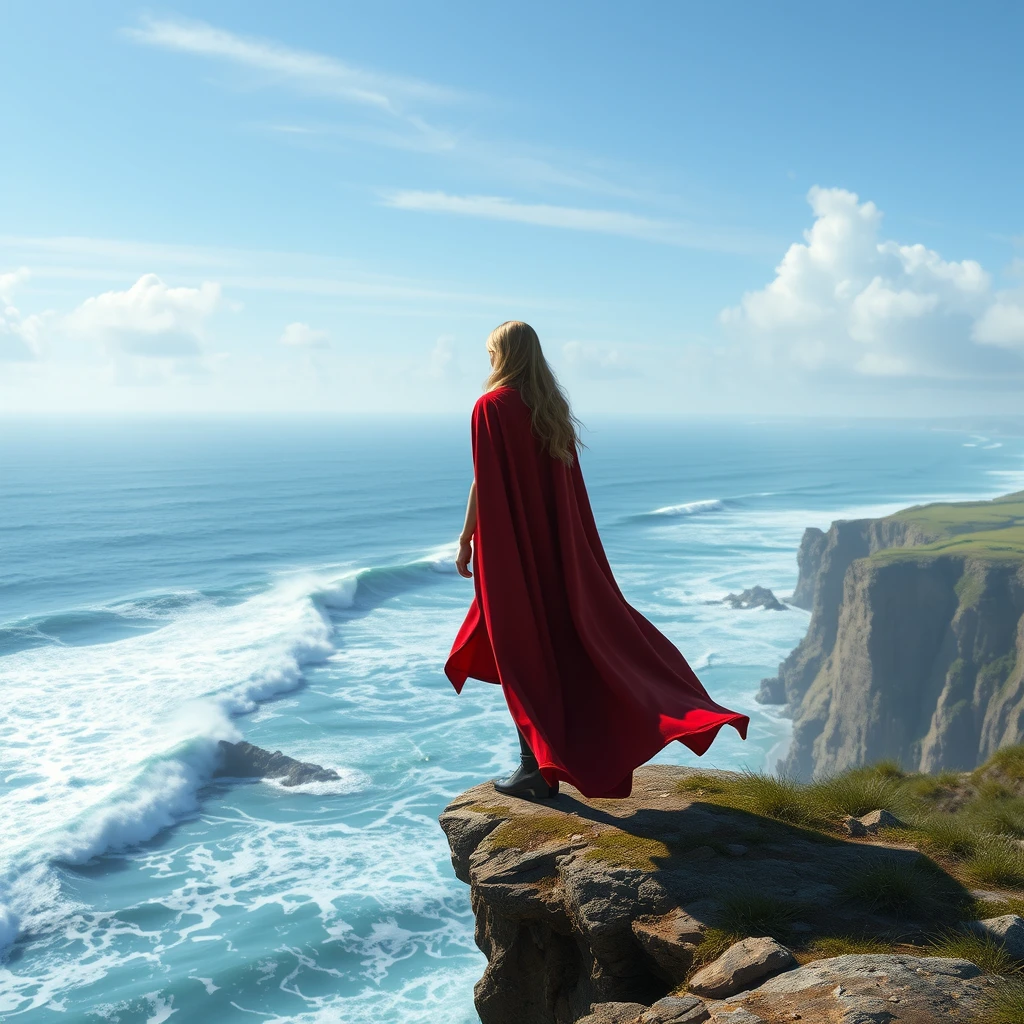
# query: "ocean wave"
{"type": "Point", "coordinates": [689, 508]}
{"type": "Point", "coordinates": [117, 738]}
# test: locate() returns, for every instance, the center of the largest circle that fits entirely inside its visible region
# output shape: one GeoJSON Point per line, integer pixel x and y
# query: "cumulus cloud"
{"type": "Point", "coordinates": [596, 361]}
{"type": "Point", "coordinates": [300, 335]}
{"type": "Point", "coordinates": [150, 319]}
{"type": "Point", "coordinates": [9, 282]}
{"type": "Point", "coordinates": [847, 299]}
{"type": "Point", "coordinates": [21, 337]}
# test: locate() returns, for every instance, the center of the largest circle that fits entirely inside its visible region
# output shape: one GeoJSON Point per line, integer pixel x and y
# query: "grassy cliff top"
{"type": "Point", "coordinates": [975, 529]}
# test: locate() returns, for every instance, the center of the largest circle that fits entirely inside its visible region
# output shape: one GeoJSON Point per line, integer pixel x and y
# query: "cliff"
{"type": "Point", "coordinates": [915, 648]}
{"type": "Point", "coordinates": [727, 897]}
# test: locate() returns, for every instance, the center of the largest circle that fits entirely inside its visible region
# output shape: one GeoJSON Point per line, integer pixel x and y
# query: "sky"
{"type": "Point", "coordinates": [703, 208]}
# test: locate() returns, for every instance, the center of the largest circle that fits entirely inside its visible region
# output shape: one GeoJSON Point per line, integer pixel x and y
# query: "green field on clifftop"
{"type": "Point", "coordinates": [973, 529]}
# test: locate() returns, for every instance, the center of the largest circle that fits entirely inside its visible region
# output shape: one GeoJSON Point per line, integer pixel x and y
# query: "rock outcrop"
{"type": "Point", "coordinates": [755, 597]}
{"type": "Point", "coordinates": [599, 911]}
{"type": "Point", "coordinates": [864, 989]}
{"type": "Point", "coordinates": [915, 648]}
{"type": "Point", "coordinates": [246, 761]}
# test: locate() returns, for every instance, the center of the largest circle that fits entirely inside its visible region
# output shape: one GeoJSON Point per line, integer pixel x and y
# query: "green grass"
{"type": "Point", "coordinates": [950, 519]}
{"type": "Point", "coordinates": [532, 830]}
{"type": "Point", "coordinates": [1009, 761]}
{"type": "Point", "coordinates": [1007, 1003]}
{"type": "Point", "coordinates": [902, 888]}
{"type": "Point", "coordinates": [841, 945]}
{"type": "Point", "coordinates": [857, 792]}
{"type": "Point", "coordinates": [949, 835]}
{"type": "Point", "coordinates": [983, 951]}
{"type": "Point", "coordinates": [997, 862]}
{"type": "Point", "coordinates": [975, 529]}
{"type": "Point", "coordinates": [627, 849]}
{"type": "Point", "coordinates": [753, 913]}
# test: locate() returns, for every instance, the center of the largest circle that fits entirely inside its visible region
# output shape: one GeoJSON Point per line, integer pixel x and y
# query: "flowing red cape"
{"type": "Point", "coordinates": [596, 688]}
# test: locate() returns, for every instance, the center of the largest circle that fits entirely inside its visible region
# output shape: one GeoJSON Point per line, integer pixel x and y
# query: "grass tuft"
{"type": "Point", "coordinates": [899, 887]}
{"type": "Point", "coordinates": [948, 835]}
{"type": "Point", "coordinates": [856, 793]}
{"type": "Point", "coordinates": [780, 798]}
{"type": "Point", "coordinates": [1009, 760]}
{"type": "Point", "coordinates": [751, 913]}
{"type": "Point", "coordinates": [997, 861]}
{"type": "Point", "coordinates": [1007, 1003]}
{"type": "Point", "coordinates": [982, 950]}
{"type": "Point", "coordinates": [842, 945]}
{"type": "Point", "coordinates": [703, 783]}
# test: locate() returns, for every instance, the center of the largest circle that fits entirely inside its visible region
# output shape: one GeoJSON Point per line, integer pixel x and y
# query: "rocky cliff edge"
{"type": "Point", "coordinates": [678, 905]}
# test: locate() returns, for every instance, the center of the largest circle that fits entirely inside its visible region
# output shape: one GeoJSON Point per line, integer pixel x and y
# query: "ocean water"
{"type": "Point", "coordinates": [167, 585]}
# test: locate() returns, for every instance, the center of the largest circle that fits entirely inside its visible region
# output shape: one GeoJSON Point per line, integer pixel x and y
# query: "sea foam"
{"type": "Point", "coordinates": [690, 508]}
{"type": "Point", "coordinates": [112, 741]}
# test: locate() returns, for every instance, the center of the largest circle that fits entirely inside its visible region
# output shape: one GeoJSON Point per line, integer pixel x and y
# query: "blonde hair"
{"type": "Point", "coordinates": [518, 362]}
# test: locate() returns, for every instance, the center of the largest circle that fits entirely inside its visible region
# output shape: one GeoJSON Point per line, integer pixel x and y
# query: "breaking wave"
{"type": "Point", "coordinates": [115, 739]}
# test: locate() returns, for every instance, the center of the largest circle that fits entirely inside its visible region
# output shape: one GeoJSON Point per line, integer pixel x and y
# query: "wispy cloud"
{"type": "Point", "coordinates": [58, 264]}
{"type": "Point", "coordinates": [304, 70]}
{"type": "Point", "coordinates": [572, 218]}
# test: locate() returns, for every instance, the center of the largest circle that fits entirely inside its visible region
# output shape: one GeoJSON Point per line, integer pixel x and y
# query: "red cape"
{"type": "Point", "coordinates": [596, 688]}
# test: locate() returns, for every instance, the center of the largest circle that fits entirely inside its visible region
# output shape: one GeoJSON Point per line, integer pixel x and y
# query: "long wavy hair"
{"type": "Point", "coordinates": [518, 362]}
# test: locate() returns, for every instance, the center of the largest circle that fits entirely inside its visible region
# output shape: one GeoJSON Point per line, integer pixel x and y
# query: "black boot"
{"type": "Point", "coordinates": [526, 781]}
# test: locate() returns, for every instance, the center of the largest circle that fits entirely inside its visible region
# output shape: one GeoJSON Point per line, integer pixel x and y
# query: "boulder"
{"type": "Point", "coordinates": [676, 1010]}
{"type": "Point", "coordinates": [746, 961]}
{"type": "Point", "coordinates": [853, 826]}
{"type": "Point", "coordinates": [865, 989]}
{"type": "Point", "coordinates": [669, 941]}
{"type": "Point", "coordinates": [1007, 930]}
{"type": "Point", "coordinates": [874, 820]}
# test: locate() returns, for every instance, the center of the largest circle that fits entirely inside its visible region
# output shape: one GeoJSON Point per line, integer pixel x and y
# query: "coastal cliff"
{"type": "Point", "coordinates": [915, 648]}
{"type": "Point", "coordinates": [721, 897]}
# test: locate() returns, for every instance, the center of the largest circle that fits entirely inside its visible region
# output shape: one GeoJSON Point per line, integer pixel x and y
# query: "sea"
{"type": "Point", "coordinates": [167, 584]}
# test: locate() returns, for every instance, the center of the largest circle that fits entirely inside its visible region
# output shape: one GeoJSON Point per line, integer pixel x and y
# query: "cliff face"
{"type": "Point", "coordinates": [915, 649]}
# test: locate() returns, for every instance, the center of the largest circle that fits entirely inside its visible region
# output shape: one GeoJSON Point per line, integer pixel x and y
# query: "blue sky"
{"type": "Point", "coordinates": [324, 207]}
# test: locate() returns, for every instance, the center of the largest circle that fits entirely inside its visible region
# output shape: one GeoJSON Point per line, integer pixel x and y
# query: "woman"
{"type": "Point", "coordinates": [595, 690]}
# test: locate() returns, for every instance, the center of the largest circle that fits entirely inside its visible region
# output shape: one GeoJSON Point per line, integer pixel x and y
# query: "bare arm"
{"type": "Point", "coordinates": [466, 537]}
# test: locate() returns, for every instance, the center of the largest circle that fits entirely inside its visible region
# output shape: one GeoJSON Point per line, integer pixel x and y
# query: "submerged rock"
{"type": "Point", "coordinates": [755, 597]}
{"type": "Point", "coordinates": [247, 761]}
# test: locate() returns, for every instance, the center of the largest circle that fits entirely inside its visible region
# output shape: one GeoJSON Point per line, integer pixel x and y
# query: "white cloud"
{"type": "Point", "coordinates": [605, 222]}
{"type": "Point", "coordinates": [596, 361]}
{"type": "Point", "coordinates": [21, 337]}
{"type": "Point", "coordinates": [845, 299]}
{"type": "Point", "coordinates": [150, 319]}
{"type": "Point", "coordinates": [299, 335]}
{"type": "Point", "coordinates": [1001, 324]}
{"type": "Point", "coordinates": [310, 72]}
{"type": "Point", "coordinates": [9, 282]}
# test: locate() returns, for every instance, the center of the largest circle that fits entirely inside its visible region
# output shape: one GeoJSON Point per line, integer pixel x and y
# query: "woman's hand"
{"type": "Point", "coordinates": [463, 557]}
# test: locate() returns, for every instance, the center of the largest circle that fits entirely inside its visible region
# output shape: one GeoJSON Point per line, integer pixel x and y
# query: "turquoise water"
{"type": "Point", "coordinates": [168, 585]}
